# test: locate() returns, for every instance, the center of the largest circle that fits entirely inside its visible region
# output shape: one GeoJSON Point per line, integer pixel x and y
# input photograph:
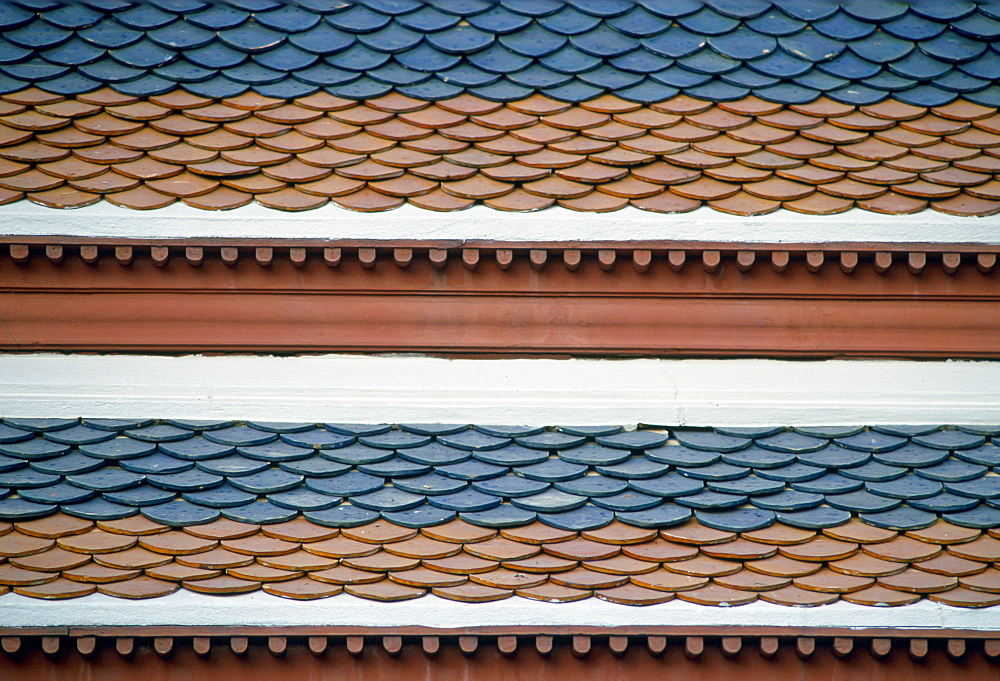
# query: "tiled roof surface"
{"type": "Point", "coordinates": [745, 157]}
{"type": "Point", "coordinates": [788, 51]}
{"type": "Point", "coordinates": [666, 105]}
{"type": "Point", "coordinates": [796, 516]}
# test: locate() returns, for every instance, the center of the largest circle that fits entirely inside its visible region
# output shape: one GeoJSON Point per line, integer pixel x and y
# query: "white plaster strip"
{"type": "Point", "coordinates": [263, 610]}
{"type": "Point", "coordinates": [520, 391]}
{"type": "Point", "coordinates": [179, 221]}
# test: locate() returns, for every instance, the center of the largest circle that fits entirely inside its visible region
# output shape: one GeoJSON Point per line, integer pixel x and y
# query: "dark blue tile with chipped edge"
{"type": "Point", "coordinates": [40, 425]}
{"type": "Point", "coordinates": [950, 440]}
{"type": "Point", "coordinates": [223, 496]}
{"type": "Point", "coordinates": [508, 432]}
{"type": "Point", "coordinates": [344, 515]}
{"type": "Point", "coordinates": [750, 485]}
{"type": "Point", "coordinates": [945, 502]}
{"type": "Point", "coordinates": [473, 441]}
{"type": "Point", "coordinates": [143, 495]}
{"type": "Point", "coordinates": [260, 512]}
{"type": "Point", "coordinates": [355, 455]}
{"type": "Point", "coordinates": [266, 481]}
{"type": "Point", "coordinates": [314, 467]}
{"type": "Point", "coordinates": [634, 468]}
{"type": "Point", "coordinates": [99, 509]}
{"type": "Point", "coordinates": [669, 485]}
{"type": "Point", "coordinates": [9, 434]}
{"type": "Point", "coordinates": [346, 485]}
{"type": "Point", "coordinates": [302, 499]}
{"type": "Point", "coordinates": [15, 508]}
{"type": "Point", "coordinates": [711, 500]}
{"type": "Point", "coordinates": [578, 520]}
{"type": "Point", "coordinates": [467, 75]}
{"type": "Point", "coordinates": [594, 455]}
{"type": "Point", "coordinates": [504, 515]}
{"type": "Point", "coordinates": [901, 519]}
{"type": "Point", "coordinates": [434, 454]}
{"type": "Point", "coordinates": [430, 484]}
{"type": "Point", "coordinates": [550, 440]}
{"type": "Point", "coordinates": [911, 456]}
{"type": "Point", "coordinates": [817, 518]}
{"type": "Point", "coordinates": [789, 500]}
{"type": "Point", "coordinates": [278, 451]}
{"type": "Point", "coordinates": [981, 518]}
{"type": "Point", "coordinates": [591, 431]}
{"type": "Point", "coordinates": [952, 471]}
{"type": "Point", "coordinates": [195, 449]}
{"type": "Point", "coordinates": [317, 438]}
{"type": "Point", "coordinates": [793, 443]}
{"type": "Point", "coordinates": [708, 441]}
{"type": "Point", "coordinates": [831, 483]}
{"type": "Point", "coordinates": [159, 433]}
{"type": "Point", "coordinates": [424, 515]}
{"type": "Point", "coordinates": [471, 470]}
{"type": "Point", "coordinates": [358, 429]}
{"type": "Point", "coordinates": [9, 464]}
{"type": "Point", "coordinates": [33, 450]}
{"type": "Point", "coordinates": [395, 467]}
{"type": "Point", "coordinates": [467, 500]}
{"type": "Point", "coordinates": [985, 456]}
{"type": "Point", "coordinates": [512, 455]}
{"type": "Point", "coordinates": [568, 22]}
{"type": "Point", "coordinates": [755, 457]}
{"type": "Point", "coordinates": [905, 487]}
{"type": "Point", "coordinates": [627, 501]}
{"type": "Point", "coordinates": [186, 481]}
{"type": "Point", "coordinates": [588, 486]}
{"type": "Point", "coordinates": [25, 478]}
{"type": "Point", "coordinates": [551, 470]}
{"type": "Point", "coordinates": [549, 501]}
{"type": "Point", "coordinates": [736, 520]}
{"type": "Point", "coordinates": [67, 464]}
{"type": "Point", "coordinates": [395, 440]}
{"type": "Point", "coordinates": [983, 488]}
{"type": "Point", "coordinates": [119, 448]}
{"type": "Point", "coordinates": [861, 501]}
{"type": "Point", "coordinates": [509, 486]}
{"type": "Point", "coordinates": [180, 513]}
{"type": "Point", "coordinates": [107, 479]}
{"type": "Point", "coordinates": [664, 515]}
{"type": "Point", "coordinates": [638, 439]}
{"type": "Point", "coordinates": [280, 426]}
{"type": "Point", "coordinates": [58, 494]}
{"type": "Point", "coordinates": [232, 465]}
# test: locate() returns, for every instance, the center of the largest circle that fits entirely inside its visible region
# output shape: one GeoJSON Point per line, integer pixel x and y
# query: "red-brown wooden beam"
{"type": "Point", "coordinates": [657, 300]}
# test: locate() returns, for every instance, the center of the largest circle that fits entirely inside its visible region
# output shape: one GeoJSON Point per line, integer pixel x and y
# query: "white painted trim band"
{"type": "Point", "coordinates": [402, 389]}
{"type": "Point", "coordinates": [179, 221]}
{"type": "Point", "coordinates": [259, 609]}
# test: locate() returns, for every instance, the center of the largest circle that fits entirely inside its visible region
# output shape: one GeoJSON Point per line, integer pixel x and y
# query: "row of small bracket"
{"type": "Point", "coordinates": [580, 645]}
{"type": "Point", "coordinates": [640, 259]}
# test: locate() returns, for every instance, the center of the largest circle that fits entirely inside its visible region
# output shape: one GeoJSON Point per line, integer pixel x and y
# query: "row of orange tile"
{"type": "Point", "coordinates": [745, 157]}
{"type": "Point", "coordinates": [64, 557]}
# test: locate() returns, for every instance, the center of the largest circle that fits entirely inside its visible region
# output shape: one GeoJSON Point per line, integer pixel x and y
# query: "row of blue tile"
{"type": "Point", "coordinates": [924, 53]}
{"type": "Point", "coordinates": [189, 472]}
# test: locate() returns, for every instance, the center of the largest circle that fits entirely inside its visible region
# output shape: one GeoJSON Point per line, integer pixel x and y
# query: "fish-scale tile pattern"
{"type": "Point", "coordinates": [746, 156]}
{"type": "Point", "coordinates": [63, 556]}
{"type": "Point", "coordinates": [782, 51]}
{"type": "Point", "coordinates": [193, 473]}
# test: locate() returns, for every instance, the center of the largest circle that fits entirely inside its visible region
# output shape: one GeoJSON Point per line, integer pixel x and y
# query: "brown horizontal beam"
{"type": "Point", "coordinates": [565, 301]}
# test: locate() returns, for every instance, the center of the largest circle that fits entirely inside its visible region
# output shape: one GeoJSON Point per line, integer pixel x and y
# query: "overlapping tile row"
{"type": "Point", "coordinates": [187, 473]}
{"type": "Point", "coordinates": [62, 556]}
{"type": "Point", "coordinates": [789, 51]}
{"type": "Point", "coordinates": [746, 157]}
